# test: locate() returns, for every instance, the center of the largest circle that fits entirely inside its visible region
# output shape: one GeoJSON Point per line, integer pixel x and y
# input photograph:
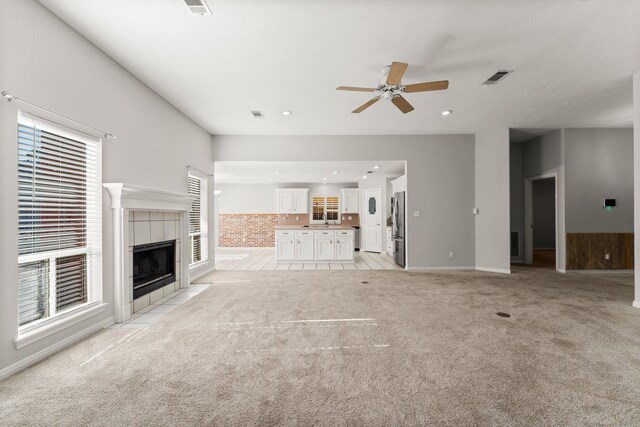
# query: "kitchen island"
{"type": "Point", "coordinates": [299, 243]}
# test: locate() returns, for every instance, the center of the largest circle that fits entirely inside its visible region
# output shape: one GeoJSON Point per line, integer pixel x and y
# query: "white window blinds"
{"type": "Point", "coordinates": [198, 235]}
{"type": "Point", "coordinates": [325, 208]}
{"type": "Point", "coordinates": [59, 220]}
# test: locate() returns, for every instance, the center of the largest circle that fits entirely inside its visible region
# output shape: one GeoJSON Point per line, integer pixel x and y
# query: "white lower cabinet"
{"type": "Point", "coordinates": [304, 248]}
{"type": "Point", "coordinates": [344, 248]}
{"type": "Point", "coordinates": [324, 248]}
{"type": "Point", "coordinates": [314, 245]}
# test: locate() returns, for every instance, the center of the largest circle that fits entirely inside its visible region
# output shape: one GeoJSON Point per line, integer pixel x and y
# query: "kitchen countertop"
{"type": "Point", "coordinates": [315, 227]}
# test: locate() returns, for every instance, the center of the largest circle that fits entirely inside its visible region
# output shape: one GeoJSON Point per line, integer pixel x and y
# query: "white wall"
{"type": "Point", "coordinates": [56, 68]}
{"type": "Point", "coordinates": [261, 198]}
{"type": "Point", "coordinates": [492, 199]}
{"type": "Point", "coordinates": [598, 164]}
{"type": "Point", "coordinates": [636, 181]}
{"type": "Point", "coordinates": [440, 173]}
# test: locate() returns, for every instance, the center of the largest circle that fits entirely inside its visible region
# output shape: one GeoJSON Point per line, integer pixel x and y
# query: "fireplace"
{"type": "Point", "coordinates": [154, 266]}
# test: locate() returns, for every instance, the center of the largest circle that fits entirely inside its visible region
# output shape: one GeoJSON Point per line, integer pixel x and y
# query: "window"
{"type": "Point", "coordinates": [198, 237]}
{"type": "Point", "coordinates": [59, 221]}
{"type": "Point", "coordinates": [325, 208]}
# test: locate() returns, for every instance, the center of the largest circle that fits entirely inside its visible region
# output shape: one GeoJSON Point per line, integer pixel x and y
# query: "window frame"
{"type": "Point", "coordinates": [58, 319]}
{"type": "Point", "coordinates": [204, 219]}
{"type": "Point", "coordinates": [325, 210]}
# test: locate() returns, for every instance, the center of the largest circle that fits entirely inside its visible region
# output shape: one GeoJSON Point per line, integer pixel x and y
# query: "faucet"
{"type": "Point", "coordinates": [324, 217]}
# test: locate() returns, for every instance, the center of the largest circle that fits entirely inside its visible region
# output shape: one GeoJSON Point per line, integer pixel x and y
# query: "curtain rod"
{"type": "Point", "coordinates": [10, 98]}
{"type": "Point", "coordinates": [200, 170]}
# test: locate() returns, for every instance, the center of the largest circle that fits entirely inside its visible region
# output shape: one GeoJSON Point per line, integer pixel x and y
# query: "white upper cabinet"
{"type": "Point", "coordinates": [350, 197]}
{"type": "Point", "coordinates": [293, 200]}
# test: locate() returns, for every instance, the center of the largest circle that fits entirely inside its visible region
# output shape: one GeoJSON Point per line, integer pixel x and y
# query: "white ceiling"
{"type": "Point", "coordinates": [304, 172]}
{"type": "Point", "coordinates": [573, 59]}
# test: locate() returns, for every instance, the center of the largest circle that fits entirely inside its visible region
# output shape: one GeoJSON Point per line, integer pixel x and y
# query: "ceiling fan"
{"type": "Point", "coordinates": [392, 89]}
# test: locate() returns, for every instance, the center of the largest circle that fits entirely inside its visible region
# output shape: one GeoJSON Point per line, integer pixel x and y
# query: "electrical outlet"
{"type": "Point", "coordinates": [416, 213]}
{"type": "Point", "coordinates": [297, 218]}
{"type": "Point", "coordinates": [451, 254]}
{"type": "Point", "coordinates": [607, 256]}
{"type": "Point", "coordinates": [350, 218]}
{"type": "Point", "coordinates": [476, 211]}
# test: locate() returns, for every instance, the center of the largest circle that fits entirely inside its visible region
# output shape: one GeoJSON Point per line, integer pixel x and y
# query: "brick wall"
{"type": "Point", "coordinates": [247, 230]}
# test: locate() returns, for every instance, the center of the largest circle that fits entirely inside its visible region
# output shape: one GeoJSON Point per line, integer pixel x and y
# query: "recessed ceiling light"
{"type": "Point", "coordinates": [277, 172]}
{"type": "Point", "coordinates": [376, 167]}
{"type": "Point", "coordinates": [270, 179]}
{"type": "Point", "coordinates": [286, 113]}
{"type": "Point", "coordinates": [446, 112]}
{"type": "Point", "coordinates": [364, 176]}
{"type": "Point", "coordinates": [324, 179]}
{"type": "Point", "coordinates": [335, 172]}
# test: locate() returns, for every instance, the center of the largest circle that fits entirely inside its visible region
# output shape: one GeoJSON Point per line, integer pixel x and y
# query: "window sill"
{"type": "Point", "coordinates": [198, 264]}
{"type": "Point", "coordinates": [39, 332]}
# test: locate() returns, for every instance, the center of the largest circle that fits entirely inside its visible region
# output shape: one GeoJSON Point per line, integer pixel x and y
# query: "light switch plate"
{"type": "Point", "coordinates": [476, 211]}
{"type": "Point", "coordinates": [416, 213]}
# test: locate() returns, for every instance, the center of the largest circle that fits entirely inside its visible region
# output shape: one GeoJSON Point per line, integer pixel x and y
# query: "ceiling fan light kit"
{"type": "Point", "coordinates": [393, 89]}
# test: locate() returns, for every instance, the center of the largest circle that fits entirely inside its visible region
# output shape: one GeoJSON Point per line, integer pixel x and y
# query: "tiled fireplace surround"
{"type": "Point", "coordinates": [151, 227]}
{"type": "Point", "coordinates": [145, 215]}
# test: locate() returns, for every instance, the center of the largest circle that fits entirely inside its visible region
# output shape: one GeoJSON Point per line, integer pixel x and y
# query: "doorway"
{"type": "Point", "coordinates": [541, 211]}
{"type": "Point", "coordinates": [372, 209]}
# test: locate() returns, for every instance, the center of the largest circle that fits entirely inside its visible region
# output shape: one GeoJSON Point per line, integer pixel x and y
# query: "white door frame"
{"type": "Point", "coordinates": [528, 216]}
{"type": "Point", "coordinates": [380, 208]}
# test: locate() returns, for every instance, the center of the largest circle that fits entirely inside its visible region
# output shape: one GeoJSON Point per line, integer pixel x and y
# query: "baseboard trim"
{"type": "Point", "coordinates": [453, 268]}
{"type": "Point", "coordinates": [493, 270]}
{"type": "Point", "coordinates": [55, 348]}
{"type": "Point", "coordinates": [199, 273]}
{"type": "Point", "coordinates": [636, 304]}
{"type": "Point", "coordinates": [602, 271]}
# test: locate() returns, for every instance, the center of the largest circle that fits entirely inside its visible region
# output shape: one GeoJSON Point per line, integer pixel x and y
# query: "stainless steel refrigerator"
{"type": "Point", "coordinates": [399, 228]}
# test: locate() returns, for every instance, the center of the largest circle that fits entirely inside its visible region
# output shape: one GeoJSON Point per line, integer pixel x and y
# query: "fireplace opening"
{"type": "Point", "coordinates": [154, 266]}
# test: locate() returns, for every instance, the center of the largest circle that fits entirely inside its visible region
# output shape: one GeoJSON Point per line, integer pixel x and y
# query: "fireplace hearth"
{"type": "Point", "coordinates": [154, 266]}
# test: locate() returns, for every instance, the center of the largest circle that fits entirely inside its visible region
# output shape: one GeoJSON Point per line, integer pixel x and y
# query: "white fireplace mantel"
{"type": "Point", "coordinates": [125, 198]}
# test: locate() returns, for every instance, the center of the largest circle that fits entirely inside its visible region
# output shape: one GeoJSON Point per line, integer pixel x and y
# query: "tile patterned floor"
{"type": "Point", "coordinates": [146, 316]}
{"type": "Point", "coordinates": [264, 259]}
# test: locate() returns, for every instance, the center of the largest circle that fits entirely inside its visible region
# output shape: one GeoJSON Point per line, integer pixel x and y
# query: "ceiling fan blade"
{"type": "Point", "coordinates": [355, 89]}
{"type": "Point", "coordinates": [427, 86]}
{"type": "Point", "coordinates": [366, 105]}
{"type": "Point", "coordinates": [396, 72]}
{"type": "Point", "coordinates": [402, 104]}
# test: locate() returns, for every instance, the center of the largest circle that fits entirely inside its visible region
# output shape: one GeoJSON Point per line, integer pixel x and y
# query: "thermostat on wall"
{"type": "Point", "coordinates": [609, 203]}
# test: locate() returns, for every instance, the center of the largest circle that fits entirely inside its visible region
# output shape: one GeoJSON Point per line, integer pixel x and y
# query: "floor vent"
{"type": "Point", "coordinates": [515, 244]}
{"type": "Point", "coordinates": [198, 7]}
{"type": "Point", "coordinates": [501, 314]}
{"type": "Point", "coordinates": [257, 114]}
{"type": "Point", "coordinates": [499, 75]}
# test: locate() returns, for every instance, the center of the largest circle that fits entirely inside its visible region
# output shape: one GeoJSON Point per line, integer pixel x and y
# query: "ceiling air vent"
{"type": "Point", "coordinates": [499, 75]}
{"type": "Point", "coordinates": [257, 114]}
{"type": "Point", "coordinates": [198, 7]}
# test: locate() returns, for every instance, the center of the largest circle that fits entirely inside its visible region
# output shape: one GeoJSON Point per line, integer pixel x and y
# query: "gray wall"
{"type": "Point", "coordinates": [492, 200]}
{"type": "Point", "coordinates": [544, 214]}
{"type": "Point", "coordinates": [598, 164]}
{"type": "Point", "coordinates": [516, 199]}
{"type": "Point", "coordinates": [440, 173]}
{"type": "Point", "coordinates": [56, 68]}
{"type": "Point", "coordinates": [636, 181]}
{"type": "Point", "coordinates": [544, 156]}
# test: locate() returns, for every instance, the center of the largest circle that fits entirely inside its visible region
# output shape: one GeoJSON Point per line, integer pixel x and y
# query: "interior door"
{"type": "Point", "coordinates": [372, 210]}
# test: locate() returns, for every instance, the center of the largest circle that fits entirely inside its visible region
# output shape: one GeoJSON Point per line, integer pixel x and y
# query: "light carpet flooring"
{"type": "Point", "coordinates": [264, 259]}
{"type": "Point", "coordinates": [355, 348]}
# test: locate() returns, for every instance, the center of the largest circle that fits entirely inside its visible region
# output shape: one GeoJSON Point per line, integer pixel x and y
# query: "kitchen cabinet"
{"type": "Point", "coordinates": [292, 200]}
{"type": "Point", "coordinates": [285, 246]}
{"type": "Point", "coordinates": [350, 197]}
{"type": "Point", "coordinates": [344, 248]}
{"type": "Point", "coordinates": [324, 248]}
{"type": "Point", "coordinates": [304, 248]}
{"type": "Point", "coordinates": [306, 244]}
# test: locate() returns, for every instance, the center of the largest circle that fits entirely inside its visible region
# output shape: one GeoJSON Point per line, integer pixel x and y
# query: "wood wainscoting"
{"type": "Point", "coordinates": [586, 251]}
